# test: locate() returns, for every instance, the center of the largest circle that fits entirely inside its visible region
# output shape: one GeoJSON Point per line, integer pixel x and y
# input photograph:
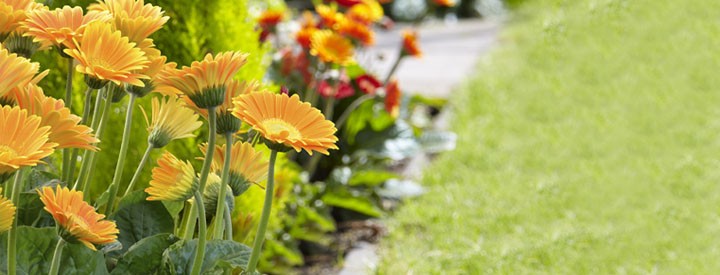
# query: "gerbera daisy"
{"type": "Point", "coordinates": [171, 119]}
{"type": "Point", "coordinates": [154, 70]}
{"type": "Point", "coordinates": [287, 121]}
{"type": "Point", "coordinates": [15, 71]}
{"type": "Point", "coordinates": [60, 26]}
{"type": "Point", "coordinates": [348, 3]}
{"type": "Point", "coordinates": [102, 65]}
{"type": "Point", "coordinates": [23, 140]}
{"type": "Point", "coordinates": [342, 90]}
{"type": "Point", "coordinates": [204, 82]}
{"type": "Point", "coordinates": [331, 47]}
{"type": "Point", "coordinates": [12, 13]}
{"type": "Point", "coordinates": [368, 83]}
{"type": "Point", "coordinates": [270, 18]}
{"type": "Point", "coordinates": [77, 219]}
{"type": "Point", "coordinates": [134, 19]}
{"type": "Point", "coordinates": [410, 44]}
{"type": "Point", "coordinates": [172, 180]}
{"type": "Point", "coordinates": [329, 16]}
{"type": "Point", "coordinates": [357, 31]}
{"type": "Point", "coordinates": [304, 36]}
{"type": "Point", "coordinates": [246, 165]}
{"type": "Point", "coordinates": [445, 3]}
{"type": "Point", "coordinates": [226, 122]}
{"type": "Point", "coordinates": [7, 213]}
{"type": "Point", "coordinates": [65, 127]}
{"type": "Point", "coordinates": [392, 98]}
{"type": "Point", "coordinates": [368, 12]}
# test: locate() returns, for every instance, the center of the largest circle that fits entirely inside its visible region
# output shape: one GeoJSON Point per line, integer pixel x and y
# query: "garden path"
{"type": "Point", "coordinates": [450, 53]}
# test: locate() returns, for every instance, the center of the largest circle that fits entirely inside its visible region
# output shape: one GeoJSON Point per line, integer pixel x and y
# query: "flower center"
{"type": "Point", "coordinates": [7, 152]}
{"type": "Point", "coordinates": [278, 128]}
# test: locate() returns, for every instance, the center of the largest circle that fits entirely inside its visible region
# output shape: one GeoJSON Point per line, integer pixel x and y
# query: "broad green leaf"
{"type": "Point", "coordinates": [35, 248]}
{"type": "Point", "coordinates": [145, 256]}
{"type": "Point", "coordinates": [177, 259]}
{"type": "Point", "coordinates": [360, 204]}
{"type": "Point", "coordinates": [138, 218]}
{"type": "Point", "coordinates": [370, 177]}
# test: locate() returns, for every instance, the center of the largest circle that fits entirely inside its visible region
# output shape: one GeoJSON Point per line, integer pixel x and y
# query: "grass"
{"type": "Point", "coordinates": [589, 142]}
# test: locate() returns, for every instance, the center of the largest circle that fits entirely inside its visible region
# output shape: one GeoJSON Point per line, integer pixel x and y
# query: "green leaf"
{"type": "Point", "coordinates": [370, 178]}
{"type": "Point", "coordinates": [145, 256]}
{"type": "Point", "coordinates": [344, 199]}
{"type": "Point", "coordinates": [35, 248]}
{"type": "Point", "coordinates": [138, 218]}
{"type": "Point", "coordinates": [354, 70]}
{"type": "Point", "coordinates": [177, 259]}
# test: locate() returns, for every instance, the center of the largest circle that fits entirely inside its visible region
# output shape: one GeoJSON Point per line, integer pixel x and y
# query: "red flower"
{"type": "Point", "coordinates": [368, 83]}
{"type": "Point", "coordinates": [344, 90]}
{"type": "Point", "coordinates": [348, 3]}
{"type": "Point", "coordinates": [392, 98]}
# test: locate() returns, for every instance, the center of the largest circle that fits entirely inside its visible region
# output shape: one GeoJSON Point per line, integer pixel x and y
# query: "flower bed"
{"type": "Point", "coordinates": [267, 181]}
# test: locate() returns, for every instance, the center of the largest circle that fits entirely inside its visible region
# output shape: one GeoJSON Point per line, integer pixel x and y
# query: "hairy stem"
{"type": "Point", "coordinates": [265, 216]}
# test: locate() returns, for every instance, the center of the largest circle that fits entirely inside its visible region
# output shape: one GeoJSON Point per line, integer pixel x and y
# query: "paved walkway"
{"type": "Point", "coordinates": [450, 53]}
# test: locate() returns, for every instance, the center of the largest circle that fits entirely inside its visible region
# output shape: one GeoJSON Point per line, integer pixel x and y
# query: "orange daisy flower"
{"type": "Point", "coordinates": [246, 165]}
{"type": "Point", "coordinates": [368, 12]}
{"type": "Point", "coordinates": [270, 18]}
{"type": "Point", "coordinates": [331, 47]}
{"type": "Point", "coordinates": [410, 44]}
{"type": "Point", "coordinates": [7, 213]}
{"type": "Point", "coordinates": [226, 122]}
{"type": "Point", "coordinates": [23, 140]}
{"type": "Point", "coordinates": [60, 26]}
{"type": "Point", "coordinates": [288, 121]}
{"type": "Point", "coordinates": [392, 98]}
{"type": "Point", "coordinates": [329, 16]}
{"type": "Point", "coordinates": [445, 3]}
{"type": "Point", "coordinates": [172, 180]}
{"type": "Point", "coordinates": [118, 65]}
{"type": "Point", "coordinates": [155, 70]}
{"type": "Point", "coordinates": [205, 82]}
{"type": "Point", "coordinates": [65, 127]}
{"type": "Point", "coordinates": [357, 31]}
{"type": "Point", "coordinates": [12, 13]}
{"type": "Point", "coordinates": [15, 71]}
{"type": "Point", "coordinates": [171, 119]}
{"type": "Point", "coordinates": [304, 36]}
{"type": "Point", "coordinates": [134, 19]}
{"type": "Point", "coordinates": [78, 219]}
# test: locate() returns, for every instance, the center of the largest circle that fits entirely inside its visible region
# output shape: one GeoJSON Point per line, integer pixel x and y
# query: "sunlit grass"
{"type": "Point", "coordinates": [589, 143]}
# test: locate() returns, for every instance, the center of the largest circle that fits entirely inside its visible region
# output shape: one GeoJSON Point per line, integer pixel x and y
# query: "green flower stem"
{"type": "Point", "coordinates": [89, 160]}
{"type": "Point", "coordinates": [394, 67]}
{"type": "Point", "coordinates": [55, 266]}
{"type": "Point", "coordinates": [94, 125]}
{"type": "Point", "coordinates": [329, 107]}
{"type": "Point", "coordinates": [68, 175]}
{"type": "Point", "coordinates": [67, 152]}
{"type": "Point", "coordinates": [220, 211]}
{"type": "Point", "coordinates": [12, 234]}
{"type": "Point", "coordinates": [228, 223]}
{"type": "Point", "coordinates": [202, 236]}
{"type": "Point", "coordinates": [265, 216]}
{"type": "Point", "coordinates": [202, 233]}
{"type": "Point", "coordinates": [121, 158]}
{"type": "Point", "coordinates": [189, 229]}
{"type": "Point", "coordinates": [140, 167]}
{"type": "Point", "coordinates": [354, 105]}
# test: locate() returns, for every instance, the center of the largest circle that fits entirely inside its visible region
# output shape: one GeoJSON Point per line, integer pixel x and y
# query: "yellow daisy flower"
{"type": "Point", "coordinates": [78, 219]}
{"type": "Point", "coordinates": [15, 71]}
{"type": "Point", "coordinates": [171, 119]}
{"type": "Point", "coordinates": [60, 26]}
{"type": "Point", "coordinates": [205, 82]}
{"type": "Point", "coordinates": [102, 65]}
{"type": "Point", "coordinates": [246, 165]}
{"type": "Point", "coordinates": [23, 140]}
{"type": "Point", "coordinates": [172, 180]}
{"type": "Point", "coordinates": [134, 19]}
{"type": "Point", "coordinates": [331, 47]}
{"type": "Point", "coordinates": [367, 11]}
{"type": "Point", "coordinates": [288, 121]}
{"type": "Point", "coordinates": [7, 213]}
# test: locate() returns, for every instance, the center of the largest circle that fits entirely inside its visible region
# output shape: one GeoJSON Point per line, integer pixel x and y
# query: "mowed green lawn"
{"type": "Point", "coordinates": [589, 143]}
